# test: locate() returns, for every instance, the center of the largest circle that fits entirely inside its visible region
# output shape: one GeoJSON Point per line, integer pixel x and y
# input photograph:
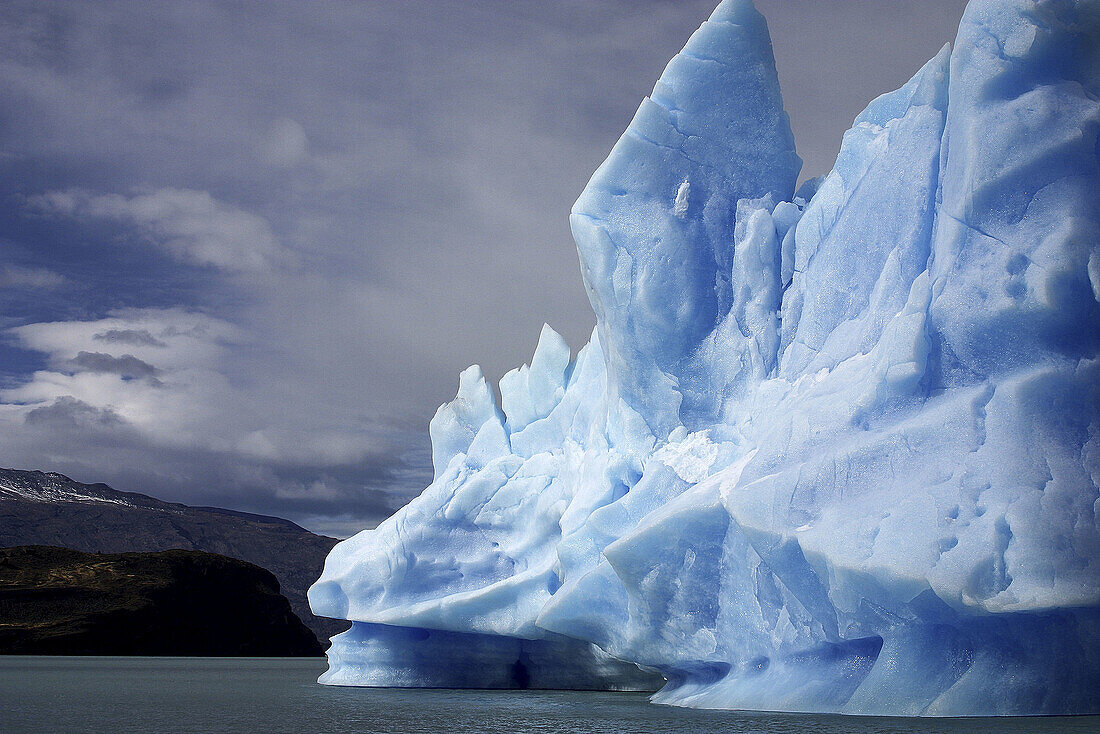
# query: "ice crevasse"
{"type": "Point", "coordinates": [833, 449]}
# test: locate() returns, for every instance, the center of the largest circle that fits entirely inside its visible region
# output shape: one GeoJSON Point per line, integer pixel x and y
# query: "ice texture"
{"type": "Point", "coordinates": [828, 450]}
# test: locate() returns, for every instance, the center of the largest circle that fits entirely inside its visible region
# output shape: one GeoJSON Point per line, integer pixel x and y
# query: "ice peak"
{"type": "Point", "coordinates": [713, 132]}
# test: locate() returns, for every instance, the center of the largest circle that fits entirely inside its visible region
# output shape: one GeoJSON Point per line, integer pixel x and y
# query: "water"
{"type": "Point", "coordinates": [87, 694]}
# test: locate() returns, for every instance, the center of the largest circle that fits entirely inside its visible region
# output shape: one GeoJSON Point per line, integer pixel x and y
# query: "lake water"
{"type": "Point", "coordinates": [86, 694]}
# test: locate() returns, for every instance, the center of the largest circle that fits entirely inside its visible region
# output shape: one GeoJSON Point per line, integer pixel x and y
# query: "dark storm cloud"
{"type": "Point", "coordinates": [311, 216]}
{"type": "Point", "coordinates": [127, 366]}
{"type": "Point", "coordinates": [69, 413]}
{"type": "Point", "coordinates": [338, 500]}
{"type": "Point", "coordinates": [136, 337]}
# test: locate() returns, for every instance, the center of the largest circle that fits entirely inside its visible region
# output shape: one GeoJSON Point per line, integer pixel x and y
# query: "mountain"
{"type": "Point", "coordinates": [45, 508]}
{"type": "Point", "coordinates": [57, 601]}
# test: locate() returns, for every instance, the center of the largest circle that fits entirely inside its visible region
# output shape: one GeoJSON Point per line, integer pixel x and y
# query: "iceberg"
{"type": "Point", "coordinates": [830, 449]}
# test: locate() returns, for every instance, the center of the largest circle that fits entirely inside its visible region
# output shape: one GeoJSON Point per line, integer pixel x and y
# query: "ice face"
{"type": "Point", "coordinates": [712, 133]}
{"type": "Point", "coordinates": [828, 450]}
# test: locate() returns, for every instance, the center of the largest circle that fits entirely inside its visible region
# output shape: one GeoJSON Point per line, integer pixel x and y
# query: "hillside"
{"type": "Point", "coordinates": [56, 601]}
{"type": "Point", "coordinates": [39, 508]}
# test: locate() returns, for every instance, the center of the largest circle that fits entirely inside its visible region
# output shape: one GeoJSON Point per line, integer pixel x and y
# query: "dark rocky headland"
{"type": "Point", "coordinates": [57, 601]}
{"type": "Point", "coordinates": [46, 508]}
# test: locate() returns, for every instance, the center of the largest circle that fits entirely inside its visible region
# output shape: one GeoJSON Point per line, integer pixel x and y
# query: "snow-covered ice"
{"type": "Point", "coordinates": [833, 449]}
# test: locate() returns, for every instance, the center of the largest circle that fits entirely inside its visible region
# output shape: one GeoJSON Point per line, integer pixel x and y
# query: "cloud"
{"type": "Point", "coordinates": [135, 337]}
{"type": "Point", "coordinates": [13, 276]}
{"type": "Point", "coordinates": [127, 366]}
{"type": "Point", "coordinates": [190, 225]}
{"type": "Point", "coordinates": [286, 143]}
{"type": "Point", "coordinates": [190, 403]}
{"type": "Point", "coordinates": [68, 412]}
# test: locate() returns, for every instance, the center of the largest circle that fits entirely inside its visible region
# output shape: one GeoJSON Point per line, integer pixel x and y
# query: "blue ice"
{"type": "Point", "coordinates": [831, 449]}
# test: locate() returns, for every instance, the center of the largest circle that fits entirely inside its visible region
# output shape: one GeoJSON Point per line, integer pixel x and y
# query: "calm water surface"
{"type": "Point", "coordinates": [56, 694]}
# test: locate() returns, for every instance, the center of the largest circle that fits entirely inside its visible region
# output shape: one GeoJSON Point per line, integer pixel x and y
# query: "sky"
{"type": "Point", "coordinates": [247, 247]}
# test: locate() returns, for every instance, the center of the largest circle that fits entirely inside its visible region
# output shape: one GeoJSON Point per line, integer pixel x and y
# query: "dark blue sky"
{"type": "Point", "coordinates": [246, 248]}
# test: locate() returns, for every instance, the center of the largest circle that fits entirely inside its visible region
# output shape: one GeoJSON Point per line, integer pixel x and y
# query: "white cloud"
{"type": "Point", "coordinates": [190, 225]}
{"type": "Point", "coordinates": [13, 276]}
{"type": "Point", "coordinates": [286, 143]}
{"type": "Point", "coordinates": [173, 409]}
{"type": "Point", "coordinates": [183, 384]}
{"type": "Point", "coordinates": [172, 338]}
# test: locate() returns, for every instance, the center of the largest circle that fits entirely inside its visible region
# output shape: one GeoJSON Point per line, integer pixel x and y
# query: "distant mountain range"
{"type": "Point", "coordinates": [45, 508]}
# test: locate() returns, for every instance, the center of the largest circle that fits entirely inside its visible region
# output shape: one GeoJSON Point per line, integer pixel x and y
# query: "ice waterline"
{"type": "Point", "coordinates": [832, 450]}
